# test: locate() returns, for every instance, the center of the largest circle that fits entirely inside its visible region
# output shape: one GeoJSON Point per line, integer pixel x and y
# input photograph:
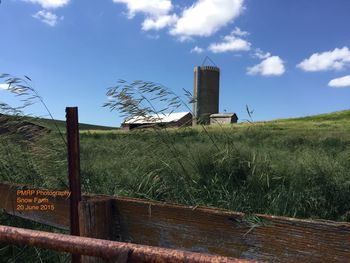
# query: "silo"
{"type": "Point", "coordinates": [206, 92]}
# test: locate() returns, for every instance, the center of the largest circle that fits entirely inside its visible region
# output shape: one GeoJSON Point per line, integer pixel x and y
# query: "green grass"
{"type": "Point", "coordinates": [296, 167]}
{"type": "Point", "coordinates": [292, 167]}
{"type": "Point", "coordinates": [334, 116]}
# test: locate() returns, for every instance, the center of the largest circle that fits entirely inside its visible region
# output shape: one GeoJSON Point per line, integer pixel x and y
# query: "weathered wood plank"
{"type": "Point", "coordinates": [215, 231]}
{"type": "Point", "coordinates": [226, 233]}
{"type": "Point", "coordinates": [97, 220]}
{"type": "Point", "coordinates": [59, 217]}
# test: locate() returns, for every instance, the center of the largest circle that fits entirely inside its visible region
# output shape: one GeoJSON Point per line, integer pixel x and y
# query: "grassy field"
{"type": "Point", "coordinates": [291, 167]}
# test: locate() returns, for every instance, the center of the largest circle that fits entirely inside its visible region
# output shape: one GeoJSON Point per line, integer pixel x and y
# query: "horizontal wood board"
{"type": "Point", "coordinates": [214, 231]}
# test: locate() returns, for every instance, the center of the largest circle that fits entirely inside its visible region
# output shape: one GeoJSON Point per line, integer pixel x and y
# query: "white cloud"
{"type": "Point", "coordinates": [238, 32]}
{"type": "Point", "coordinates": [260, 54]}
{"type": "Point", "coordinates": [197, 50]}
{"type": "Point", "coordinates": [202, 18]}
{"type": "Point", "coordinates": [205, 17]}
{"type": "Point", "coordinates": [271, 66]}
{"type": "Point", "coordinates": [153, 8]}
{"type": "Point", "coordinates": [158, 22]}
{"type": "Point", "coordinates": [330, 60]}
{"type": "Point", "coordinates": [46, 17]}
{"type": "Point", "coordinates": [340, 82]}
{"type": "Point", "coordinates": [231, 43]}
{"type": "Point", "coordinates": [49, 3]}
{"type": "Point", "coordinates": [4, 86]}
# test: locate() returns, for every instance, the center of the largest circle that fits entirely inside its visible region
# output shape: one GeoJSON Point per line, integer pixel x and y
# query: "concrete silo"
{"type": "Point", "coordinates": [206, 93]}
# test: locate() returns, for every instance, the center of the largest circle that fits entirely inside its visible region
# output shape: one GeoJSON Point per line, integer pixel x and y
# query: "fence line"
{"type": "Point", "coordinates": [199, 229]}
{"type": "Point", "coordinates": [108, 250]}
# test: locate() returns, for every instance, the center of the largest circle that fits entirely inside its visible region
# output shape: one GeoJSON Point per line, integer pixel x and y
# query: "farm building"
{"type": "Point", "coordinates": [176, 119]}
{"type": "Point", "coordinates": [223, 118]}
{"type": "Point", "coordinates": [206, 91]}
{"type": "Point", "coordinates": [205, 108]}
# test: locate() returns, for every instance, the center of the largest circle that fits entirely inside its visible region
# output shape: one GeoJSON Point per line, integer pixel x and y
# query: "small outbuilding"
{"type": "Point", "coordinates": [176, 119]}
{"type": "Point", "coordinates": [223, 118]}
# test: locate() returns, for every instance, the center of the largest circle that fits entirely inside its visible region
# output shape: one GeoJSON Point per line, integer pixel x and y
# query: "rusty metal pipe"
{"type": "Point", "coordinates": [110, 250]}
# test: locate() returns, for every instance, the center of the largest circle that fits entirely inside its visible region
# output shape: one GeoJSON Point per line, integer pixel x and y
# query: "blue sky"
{"type": "Point", "coordinates": [282, 58]}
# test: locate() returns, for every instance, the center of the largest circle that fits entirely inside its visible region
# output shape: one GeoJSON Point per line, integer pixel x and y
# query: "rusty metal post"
{"type": "Point", "coordinates": [73, 171]}
{"type": "Point", "coordinates": [110, 250]}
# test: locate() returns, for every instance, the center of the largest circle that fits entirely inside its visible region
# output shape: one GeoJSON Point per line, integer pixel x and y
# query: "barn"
{"type": "Point", "coordinates": [175, 119]}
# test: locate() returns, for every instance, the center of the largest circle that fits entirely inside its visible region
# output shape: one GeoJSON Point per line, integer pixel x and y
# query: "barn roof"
{"type": "Point", "coordinates": [160, 118]}
{"type": "Point", "coordinates": [222, 115]}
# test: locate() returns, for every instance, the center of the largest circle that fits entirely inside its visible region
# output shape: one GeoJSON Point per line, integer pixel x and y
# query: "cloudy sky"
{"type": "Point", "coordinates": [282, 58]}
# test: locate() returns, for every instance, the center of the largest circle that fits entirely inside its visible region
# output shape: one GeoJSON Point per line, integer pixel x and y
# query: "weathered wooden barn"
{"type": "Point", "coordinates": [176, 119]}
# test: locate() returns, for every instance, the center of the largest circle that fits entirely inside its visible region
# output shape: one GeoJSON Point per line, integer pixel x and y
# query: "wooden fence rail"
{"type": "Point", "coordinates": [200, 229]}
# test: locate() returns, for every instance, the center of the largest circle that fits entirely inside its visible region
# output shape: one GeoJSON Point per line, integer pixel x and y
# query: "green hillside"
{"type": "Point", "coordinates": [333, 116]}
{"type": "Point", "coordinates": [318, 125]}
{"type": "Point", "coordinates": [51, 124]}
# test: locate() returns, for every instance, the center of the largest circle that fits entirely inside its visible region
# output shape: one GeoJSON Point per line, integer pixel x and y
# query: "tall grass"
{"type": "Point", "coordinates": [306, 180]}
{"type": "Point", "coordinates": [249, 170]}
{"type": "Point", "coordinates": [296, 168]}
{"type": "Point", "coordinates": [28, 157]}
